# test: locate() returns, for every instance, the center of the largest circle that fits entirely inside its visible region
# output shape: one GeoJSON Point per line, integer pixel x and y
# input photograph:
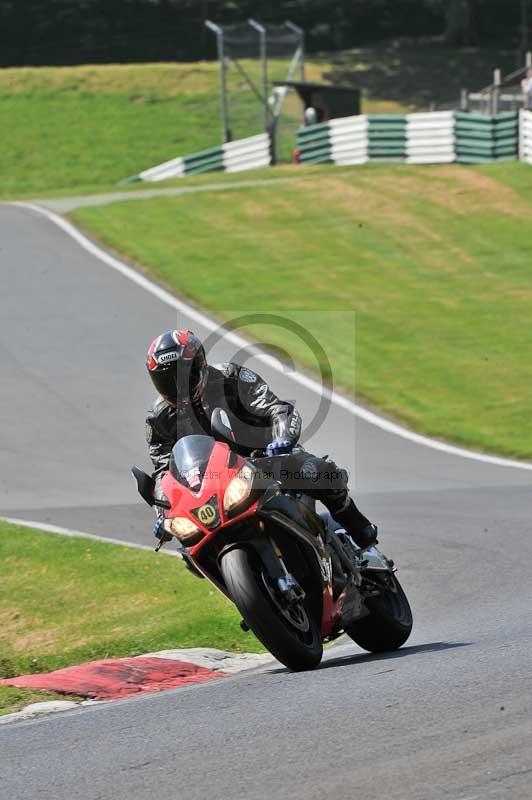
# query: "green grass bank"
{"type": "Point", "coordinates": [76, 130]}
{"type": "Point", "coordinates": [435, 262]}
{"type": "Point", "coordinates": [64, 601]}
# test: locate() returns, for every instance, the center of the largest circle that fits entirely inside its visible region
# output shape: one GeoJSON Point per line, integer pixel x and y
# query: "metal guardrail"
{"type": "Point", "coordinates": [492, 99]}
{"type": "Point", "coordinates": [506, 101]}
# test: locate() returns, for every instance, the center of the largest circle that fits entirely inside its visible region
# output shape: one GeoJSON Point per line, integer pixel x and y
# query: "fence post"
{"type": "Point", "coordinates": [464, 100]}
{"type": "Point", "coordinates": [301, 34]}
{"type": "Point", "coordinates": [261, 30]}
{"type": "Point", "coordinates": [226, 135]}
{"type": "Point", "coordinates": [495, 92]}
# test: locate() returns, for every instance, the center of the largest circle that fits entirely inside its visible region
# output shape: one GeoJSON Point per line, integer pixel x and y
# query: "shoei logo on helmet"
{"type": "Point", "coordinates": [165, 358]}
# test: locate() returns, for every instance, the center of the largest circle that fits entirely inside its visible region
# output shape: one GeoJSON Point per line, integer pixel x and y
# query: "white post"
{"type": "Point", "coordinates": [261, 30]}
{"type": "Point", "coordinates": [495, 91]}
{"type": "Point", "coordinates": [223, 84]}
{"type": "Point", "coordinates": [301, 33]}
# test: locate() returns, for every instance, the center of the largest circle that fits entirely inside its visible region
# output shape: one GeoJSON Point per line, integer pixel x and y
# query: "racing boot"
{"type": "Point", "coordinates": [361, 530]}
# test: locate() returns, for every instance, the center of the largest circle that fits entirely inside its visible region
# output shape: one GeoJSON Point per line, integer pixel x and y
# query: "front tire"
{"type": "Point", "coordinates": [245, 580]}
{"type": "Point", "coordinates": [388, 624]}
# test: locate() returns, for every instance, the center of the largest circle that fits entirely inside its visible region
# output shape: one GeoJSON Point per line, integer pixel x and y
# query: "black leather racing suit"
{"type": "Point", "coordinates": [257, 417]}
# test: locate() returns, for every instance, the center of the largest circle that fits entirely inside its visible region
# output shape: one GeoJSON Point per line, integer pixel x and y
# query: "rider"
{"type": "Point", "coordinates": [189, 389]}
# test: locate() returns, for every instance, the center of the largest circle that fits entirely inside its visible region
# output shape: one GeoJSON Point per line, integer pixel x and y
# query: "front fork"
{"type": "Point", "coordinates": [287, 586]}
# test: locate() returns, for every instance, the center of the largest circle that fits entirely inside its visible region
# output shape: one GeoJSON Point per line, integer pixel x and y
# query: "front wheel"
{"type": "Point", "coordinates": [291, 635]}
{"type": "Point", "coordinates": [389, 622]}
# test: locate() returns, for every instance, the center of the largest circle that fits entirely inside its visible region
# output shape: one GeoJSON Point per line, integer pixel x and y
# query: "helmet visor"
{"type": "Point", "coordinates": [181, 381]}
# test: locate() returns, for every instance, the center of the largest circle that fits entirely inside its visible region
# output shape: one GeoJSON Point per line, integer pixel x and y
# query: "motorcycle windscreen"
{"type": "Point", "coordinates": [190, 458]}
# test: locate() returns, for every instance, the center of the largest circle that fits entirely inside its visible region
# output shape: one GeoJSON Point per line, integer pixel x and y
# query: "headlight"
{"type": "Point", "coordinates": [239, 489]}
{"type": "Point", "coordinates": [184, 529]}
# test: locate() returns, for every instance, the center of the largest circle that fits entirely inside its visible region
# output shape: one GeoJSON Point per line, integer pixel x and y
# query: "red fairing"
{"type": "Point", "coordinates": [328, 615]}
{"type": "Point", "coordinates": [332, 610]}
{"type": "Point", "coordinates": [217, 477]}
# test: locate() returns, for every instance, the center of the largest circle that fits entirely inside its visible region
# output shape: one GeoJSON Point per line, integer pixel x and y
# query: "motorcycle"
{"type": "Point", "coordinates": [296, 577]}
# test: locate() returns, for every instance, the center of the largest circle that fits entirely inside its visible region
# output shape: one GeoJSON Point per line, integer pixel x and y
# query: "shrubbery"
{"type": "Point", "coordinates": [91, 31]}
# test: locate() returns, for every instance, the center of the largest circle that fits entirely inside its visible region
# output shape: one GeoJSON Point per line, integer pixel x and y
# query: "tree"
{"type": "Point", "coordinates": [459, 22]}
{"type": "Point", "coordinates": [524, 39]}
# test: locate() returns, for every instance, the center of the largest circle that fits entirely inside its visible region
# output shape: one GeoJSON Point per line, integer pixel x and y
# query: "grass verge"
{"type": "Point", "coordinates": [81, 129]}
{"type": "Point", "coordinates": [14, 699]}
{"type": "Point", "coordinates": [64, 601]}
{"type": "Point", "coordinates": [434, 261]}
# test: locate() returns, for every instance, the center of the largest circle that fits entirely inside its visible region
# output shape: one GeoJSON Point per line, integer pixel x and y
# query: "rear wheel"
{"type": "Point", "coordinates": [389, 623]}
{"type": "Point", "coordinates": [289, 633]}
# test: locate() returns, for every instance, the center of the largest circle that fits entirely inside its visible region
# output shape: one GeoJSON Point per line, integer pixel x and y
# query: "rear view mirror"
{"type": "Point", "coordinates": [146, 488]}
{"type": "Point", "coordinates": [221, 426]}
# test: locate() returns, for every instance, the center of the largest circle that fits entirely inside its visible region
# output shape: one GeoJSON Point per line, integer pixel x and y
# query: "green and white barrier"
{"type": "Point", "coordinates": [387, 137]}
{"type": "Point", "coordinates": [170, 169]}
{"type": "Point", "coordinates": [525, 136]}
{"type": "Point", "coordinates": [430, 138]}
{"type": "Point", "coordinates": [415, 138]}
{"type": "Point", "coordinates": [342, 141]}
{"type": "Point", "coordinates": [438, 137]}
{"type": "Point", "coordinates": [250, 153]}
{"type": "Point", "coordinates": [482, 138]}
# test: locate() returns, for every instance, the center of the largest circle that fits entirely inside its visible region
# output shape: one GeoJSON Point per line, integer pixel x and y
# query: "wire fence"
{"type": "Point", "coordinates": [253, 57]}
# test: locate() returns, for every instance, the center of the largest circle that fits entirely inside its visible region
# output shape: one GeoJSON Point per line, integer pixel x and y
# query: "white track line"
{"type": "Point", "coordinates": [42, 526]}
{"type": "Point", "coordinates": [240, 342]}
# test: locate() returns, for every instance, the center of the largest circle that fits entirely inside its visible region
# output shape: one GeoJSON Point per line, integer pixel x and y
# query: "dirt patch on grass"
{"type": "Point", "coordinates": [21, 642]}
{"type": "Point", "coordinates": [459, 189]}
{"type": "Point", "coordinates": [363, 200]}
{"type": "Point", "coordinates": [137, 80]}
{"type": "Point", "coordinates": [13, 623]}
{"type": "Point", "coordinates": [373, 201]}
{"type": "Point", "coordinates": [253, 209]}
{"type": "Point", "coordinates": [160, 79]}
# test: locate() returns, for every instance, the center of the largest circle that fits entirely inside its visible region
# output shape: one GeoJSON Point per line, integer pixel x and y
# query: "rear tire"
{"type": "Point", "coordinates": [388, 624]}
{"type": "Point", "coordinates": [296, 649]}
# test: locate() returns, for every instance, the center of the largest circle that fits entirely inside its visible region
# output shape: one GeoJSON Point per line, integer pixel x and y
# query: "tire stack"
{"type": "Point", "coordinates": [483, 138]}
{"type": "Point", "coordinates": [387, 137]}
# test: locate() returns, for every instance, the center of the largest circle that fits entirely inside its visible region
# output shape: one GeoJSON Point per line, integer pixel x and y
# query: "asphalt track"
{"type": "Point", "coordinates": [448, 716]}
